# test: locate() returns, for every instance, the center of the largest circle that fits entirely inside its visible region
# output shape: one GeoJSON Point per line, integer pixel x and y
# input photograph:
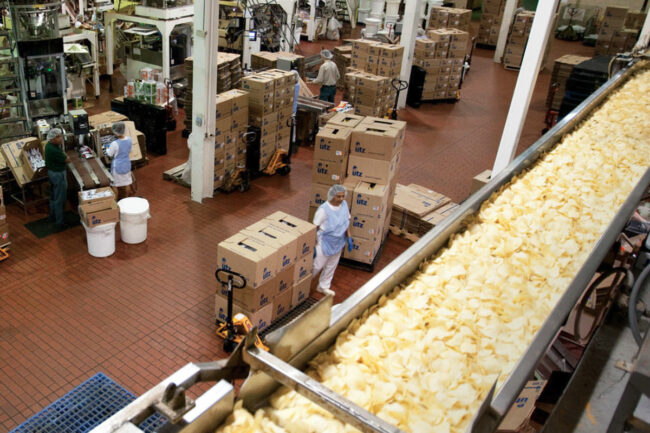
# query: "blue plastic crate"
{"type": "Point", "coordinates": [84, 408]}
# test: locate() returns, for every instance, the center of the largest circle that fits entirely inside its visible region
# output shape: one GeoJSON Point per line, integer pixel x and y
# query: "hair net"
{"type": "Point", "coordinates": [327, 54]}
{"type": "Point", "coordinates": [335, 189]}
{"type": "Point", "coordinates": [118, 128]}
{"type": "Point", "coordinates": [53, 133]}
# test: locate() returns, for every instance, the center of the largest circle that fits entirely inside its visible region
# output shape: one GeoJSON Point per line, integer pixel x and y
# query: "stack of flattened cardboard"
{"type": "Point", "coordinates": [369, 94]}
{"type": "Point", "coordinates": [4, 225]}
{"type": "Point", "coordinates": [561, 72]}
{"type": "Point", "coordinates": [619, 30]}
{"type": "Point", "coordinates": [443, 18]}
{"type": "Point", "coordinates": [441, 55]}
{"type": "Point", "coordinates": [517, 40]}
{"type": "Point", "coordinates": [275, 255]}
{"type": "Point", "coordinates": [271, 95]}
{"type": "Point", "coordinates": [231, 125]}
{"type": "Point", "coordinates": [412, 204]}
{"type": "Point", "coordinates": [98, 206]}
{"type": "Point", "coordinates": [343, 59]}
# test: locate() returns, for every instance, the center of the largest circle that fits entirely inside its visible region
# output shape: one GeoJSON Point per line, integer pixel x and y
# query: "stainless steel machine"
{"type": "Point", "coordinates": [41, 58]}
{"type": "Point", "coordinates": [296, 343]}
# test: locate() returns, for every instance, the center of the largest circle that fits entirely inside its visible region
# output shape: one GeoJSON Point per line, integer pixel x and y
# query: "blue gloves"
{"type": "Point", "coordinates": [350, 244]}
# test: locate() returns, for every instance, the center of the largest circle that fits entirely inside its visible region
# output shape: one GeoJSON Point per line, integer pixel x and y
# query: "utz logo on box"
{"type": "Point", "coordinates": [286, 261]}
{"type": "Point", "coordinates": [283, 285]}
{"type": "Point", "coordinates": [324, 145]}
{"type": "Point", "coordinates": [280, 309]}
{"type": "Point", "coordinates": [321, 169]}
{"type": "Point", "coordinates": [224, 265]}
{"type": "Point", "coordinates": [264, 299]}
{"type": "Point", "coordinates": [319, 200]}
{"type": "Point", "coordinates": [266, 273]}
{"type": "Point", "coordinates": [95, 220]}
{"type": "Point", "coordinates": [361, 201]}
{"type": "Point", "coordinates": [303, 273]}
{"type": "Point", "coordinates": [356, 222]}
{"type": "Point", "coordinates": [355, 247]}
{"type": "Point", "coordinates": [301, 297]}
{"type": "Point", "coordinates": [358, 148]}
{"type": "Point", "coordinates": [305, 248]}
{"type": "Point", "coordinates": [261, 324]}
{"type": "Point", "coordinates": [221, 315]}
{"type": "Point", "coordinates": [356, 172]}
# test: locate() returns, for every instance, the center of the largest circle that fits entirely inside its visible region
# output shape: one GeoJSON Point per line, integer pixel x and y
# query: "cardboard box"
{"type": "Point", "coordinates": [248, 256]}
{"type": "Point", "coordinates": [332, 144]}
{"type": "Point", "coordinates": [239, 120]}
{"type": "Point", "coordinates": [303, 268]}
{"type": "Point", "coordinates": [417, 200]}
{"type": "Point", "coordinates": [438, 215]}
{"type": "Point", "coordinates": [318, 194]}
{"type": "Point", "coordinates": [224, 106]}
{"type": "Point", "coordinates": [300, 291]}
{"type": "Point", "coordinates": [480, 180]}
{"type": "Point", "coordinates": [366, 227]}
{"type": "Point", "coordinates": [516, 420]}
{"type": "Point", "coordinates": [374, 141]}
{"type": "Point", "coordinates": [329, 172]}
{"type": "Point", "coordinates": [99, 217]}
{"type": "Point", "coordinates": [305, 231]}
{"type": "Point", "coordinates": [283, 241]}
{"type": "Point", "coordinates": [312, 212]}
{"type": "Point", "coordinates": [257, 84]}
{"type": "Point", "coordinates": [252, 299]}
{"type": "Point", "coordinates": [370, 199]}
{"type": "Point", "coordinates": [96, 199]}
{"type": "Point", "coordinates": [281, 304]}
{"type": "Point", "coordinates": [285, 279]}
{"type": "Point", "coordinates": [364, 250]}
{"type": "Point", "coordinates": [372, 170]}
{"type": "Point", "coordinates": [31, 172]}
{"type": "Point", "coordinates": [261, 318]}
{"type": "Point", "coordinates": [106, 117]}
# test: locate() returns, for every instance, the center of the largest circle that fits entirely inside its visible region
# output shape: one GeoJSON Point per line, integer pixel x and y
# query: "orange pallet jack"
{"type": "Point", "coordinates": [4, 254]}
{"type": "Point", "coordinates": [234, 330]}
{"type": "Point", "coordinates": [278, 164]}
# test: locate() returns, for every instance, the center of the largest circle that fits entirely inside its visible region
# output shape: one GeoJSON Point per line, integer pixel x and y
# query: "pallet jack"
{"type": "Point", "coordinates": [4, 254]}
{"type": "Point", "coordinates": [234, 330]}
{"type": "Point", "coordinates": [400, 86]}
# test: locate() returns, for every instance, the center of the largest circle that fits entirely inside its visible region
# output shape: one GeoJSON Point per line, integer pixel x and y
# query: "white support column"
{"type": "Point", "coordinates": [95, 47]}
{"type": "Point", "coordinates": [410, 20]}
{"type": "Point", "coordinates": [109, 21]}
{"type": "Point", "coordinates": [311, 25]}
{"type": "Point", "coordinates": [506, 20]}
{"type": "Point", "coordinates": [201, 140]}
{"type": "Point", "coordinates": [530, 66]}
{"type": "Point", "coordinates": [644, 37]}
{"type": "Point", "coordinates": [165, 30]}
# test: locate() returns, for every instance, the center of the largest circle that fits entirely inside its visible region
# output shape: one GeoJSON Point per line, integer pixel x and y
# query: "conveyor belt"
{"type": "Point", "coordinates": [88, 173]}
{"type": "Point", "coordinates": [315, 339]}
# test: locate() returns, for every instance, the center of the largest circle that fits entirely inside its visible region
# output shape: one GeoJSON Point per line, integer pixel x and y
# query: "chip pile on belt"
{"type": "Point", "coordinates": [425, 356]}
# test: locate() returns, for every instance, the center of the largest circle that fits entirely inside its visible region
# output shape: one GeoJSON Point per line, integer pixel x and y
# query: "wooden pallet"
{"type": "Point", "coordinates": [512, 68]}
{"type": "Point", "coordinates": [174, 175]}
{"type": "Point", "coordinates": [486, 46]}
{"type": "Point", "coordinates": [404, 233]}
{"type": "Point", "coordinates": [441, 101]}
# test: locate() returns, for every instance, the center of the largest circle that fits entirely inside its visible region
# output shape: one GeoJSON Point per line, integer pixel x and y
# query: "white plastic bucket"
{"type": "Point", "coordinates": [392, 7]}
{"type": "Point", "coordinates": [378, 6]}
{"type": "Point", "coordinates": [378, 16]}
{"type": "Point", "coordinates": [364, 4]}
{"type": "Point", "coordinates": [372, 26]}
{"type": "Point", "coordinates": [134, 213]}
{"type": "Point", "coordinates": [363, 15]}
{"type": "Point", "coordinates": [390, 21]}
{"type": "Point", "coordinates": [101, 239]}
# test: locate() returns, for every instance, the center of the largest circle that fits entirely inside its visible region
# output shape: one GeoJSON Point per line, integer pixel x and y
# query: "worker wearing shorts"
{"type": "Point", "coordinates": [333, 221]}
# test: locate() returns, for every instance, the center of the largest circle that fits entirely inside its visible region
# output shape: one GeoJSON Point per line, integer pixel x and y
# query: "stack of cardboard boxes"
{"type": "Point", "coordinates": [4, 225]}
{"type": "Point", "coordinates": [275, 255]}
{"type": "Point", "coordinates": [377, 58]}
{"type": "Point", "coordinates": [561, 72]}
{"type": "Point", "coordinates": [488, 31]}
{"type": "Point", "coordinates": [271, 94]}
{"type": "Point", "coordinates": [517, 39]}
{"type": "Point", "coordinates": [343, 60]}
{"type": "Point", "coordinates": [619, 31]}
{"type": "Point", "coordinates": [98, 207]}
{"type": "Point", "coordinates": [417, 209]}
{"type": "Point", "coordinates": [442, 56]}
{"type": "Point", "coordinates": [442, 18]}
{"type": "Point", "coordinates": [369, 94]}
{"type": "Point", "coordinates": [362, 153]}
{"type": "Point", "coordinates": [268, 60]}
{"type": "Point", "coordinates": [229, 143]}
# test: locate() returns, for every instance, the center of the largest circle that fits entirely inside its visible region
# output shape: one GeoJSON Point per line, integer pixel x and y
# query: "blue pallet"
{"type": "Point", "coordinates": [84, 408]}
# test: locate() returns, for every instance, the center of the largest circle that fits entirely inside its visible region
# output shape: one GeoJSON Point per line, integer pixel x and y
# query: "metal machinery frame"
{"type": "Point", "coordinates": [164, 20]}
{"type": "Point", "coordinates": [295, 344]}
{"type": "Point", "coordinates": [91, 37]}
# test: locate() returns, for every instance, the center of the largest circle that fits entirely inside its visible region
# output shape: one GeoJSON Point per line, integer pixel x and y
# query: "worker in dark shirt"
{"type": "Point", "coordinates": [55, 161]}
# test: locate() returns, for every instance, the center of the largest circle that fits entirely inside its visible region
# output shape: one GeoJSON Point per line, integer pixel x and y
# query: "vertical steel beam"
{"type": "Point", "coordinates": [410, 25]}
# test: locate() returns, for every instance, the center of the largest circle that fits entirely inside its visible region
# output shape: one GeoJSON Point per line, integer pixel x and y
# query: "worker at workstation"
{"type": "Point", "coordinates": [119, 151]}
{"type": "Point", "coordinates": [333, 221]}
{"type": "Point", "coordinates": [55, 161]}
{"type": "Point", "coordinates": [328, 75]}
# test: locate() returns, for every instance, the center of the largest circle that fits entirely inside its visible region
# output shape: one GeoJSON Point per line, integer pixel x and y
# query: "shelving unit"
{"type": "Point", "coordinates": [13, 121]}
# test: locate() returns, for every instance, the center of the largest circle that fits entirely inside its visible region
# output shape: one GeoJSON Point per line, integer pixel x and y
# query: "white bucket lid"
{"type": "Point", "coordinates": [133, 205]}
{"type": "Point", "coordinates": [364, 11]}
{"type": "Point", "coordinates": [373, 21]}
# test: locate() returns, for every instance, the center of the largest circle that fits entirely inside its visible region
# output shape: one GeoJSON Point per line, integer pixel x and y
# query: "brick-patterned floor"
{"type": "Point", "coordinates": [147, 310]}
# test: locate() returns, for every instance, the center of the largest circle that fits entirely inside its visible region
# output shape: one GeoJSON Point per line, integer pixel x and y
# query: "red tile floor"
{"type": "Point", "coordinates": [144, 312]}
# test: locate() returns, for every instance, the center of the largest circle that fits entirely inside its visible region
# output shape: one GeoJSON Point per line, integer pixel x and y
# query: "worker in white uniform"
{"type": "Point", "coordinates": [119, 151]}
{"type": "Point", "coordinates": [333, 221]}
{"type": "Point", "coordinates": [328, 75]}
